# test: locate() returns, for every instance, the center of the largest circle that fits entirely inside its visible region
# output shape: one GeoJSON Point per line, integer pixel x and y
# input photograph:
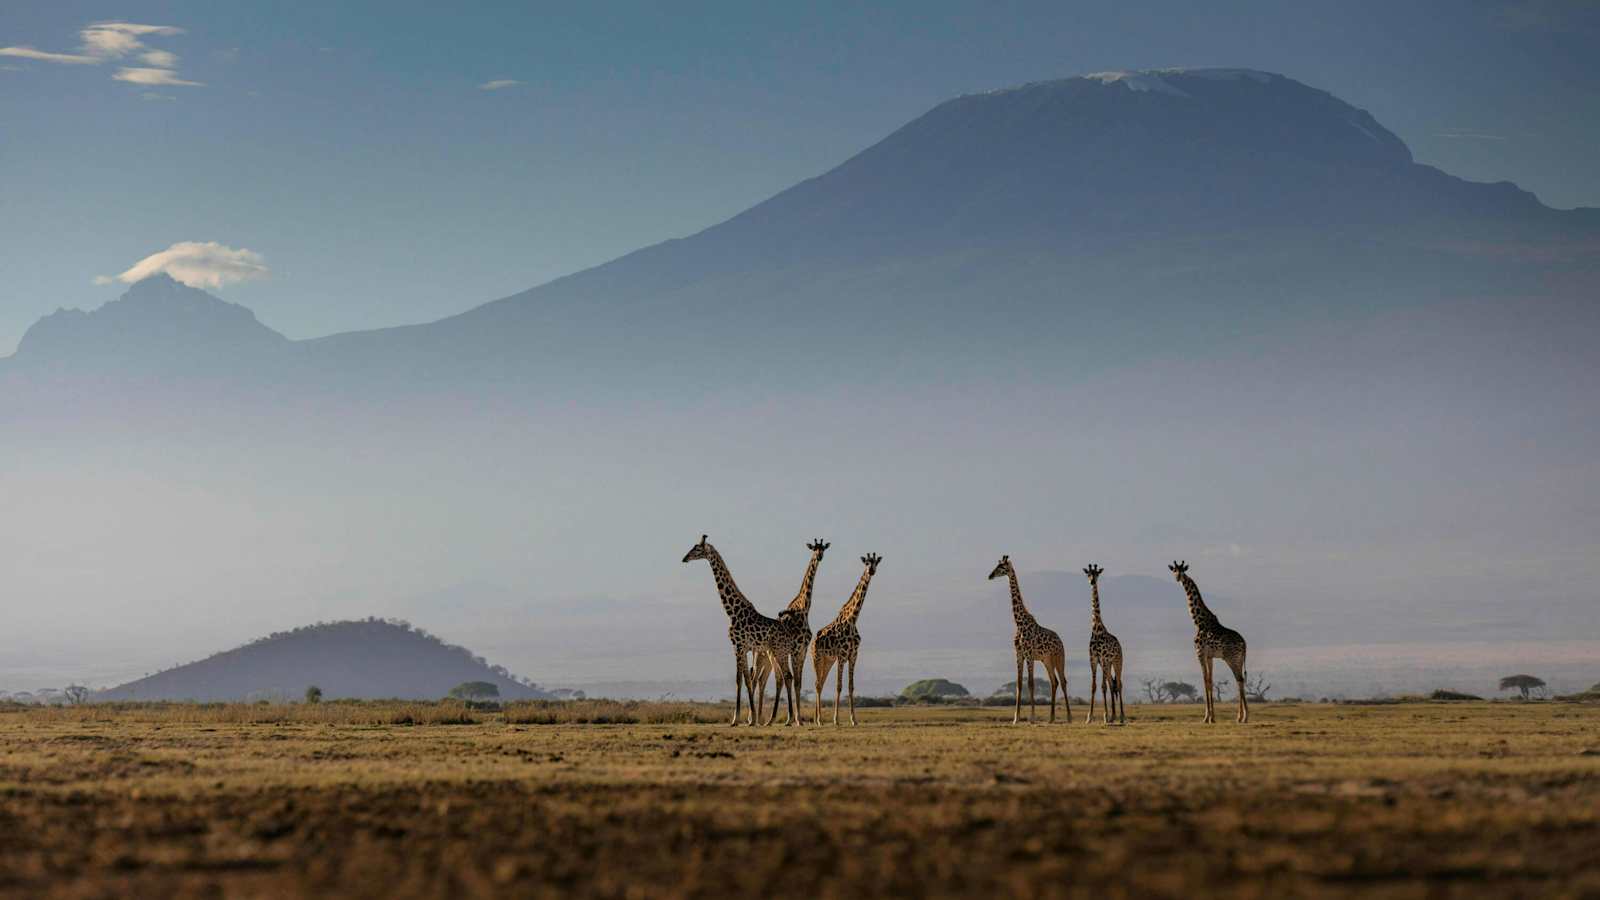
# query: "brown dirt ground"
{"type": "Point", "coordinates": [1409, 800]}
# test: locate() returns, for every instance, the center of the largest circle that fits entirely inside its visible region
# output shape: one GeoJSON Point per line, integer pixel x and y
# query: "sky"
{"type": "Point", "coordinates": [357, 165]}
{"type": "Point", "coordinates": [353, 166]}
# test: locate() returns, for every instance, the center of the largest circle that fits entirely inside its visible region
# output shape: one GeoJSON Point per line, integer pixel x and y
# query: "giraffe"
{"type": "Point", "coordinates": [1211, 640]}
{"type": "Point", "coordinates": [1034, 643]}
{"type": "Point", "coordinates": [749, 631]}
{"type": "Point", "coordinates": [796, 623]}
{"type": "Point", "coordinates": [1105, 656]}
{"type": "Point", "coordinates": [838, 643]}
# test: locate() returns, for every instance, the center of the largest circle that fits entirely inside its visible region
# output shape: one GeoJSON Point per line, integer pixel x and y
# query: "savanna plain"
{"type": "Point", "coordinates": [595, 798]}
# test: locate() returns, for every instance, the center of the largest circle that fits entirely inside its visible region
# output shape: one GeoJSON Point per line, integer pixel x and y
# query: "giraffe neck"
{"type": "Point", "coordinates": [1019, 610]}
{"type": "Point", "coordinates": [852, 607]}
{"type": "Point", "coordinates": [1094, 602]}
{"type": "Point", "coordinates": [733, 600]}
{"type": "Point", "coordinates": [1203, 617]}
{"type": "Point", "coordinates": [802, 601]}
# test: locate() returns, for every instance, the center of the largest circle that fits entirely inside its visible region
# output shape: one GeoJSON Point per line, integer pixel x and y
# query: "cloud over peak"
{"type": "Point", "coordinates": [198, 264]}
{"type": "Point", "coordinates": [498, 84]}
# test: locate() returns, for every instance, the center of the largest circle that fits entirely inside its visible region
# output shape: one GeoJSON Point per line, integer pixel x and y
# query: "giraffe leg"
{"type": "Point", "coordinates": [838, 688]}
{"type": "Point", "coordinates": [1061, 669]}
{"type": "Point", "coordinates": [1050, 673]}
{"type": "Point", "coordinates": [1238, 680]}
{"type": "Point", "coordinates": [852, 690]}
{"type": "Point", "coordinates": [1017, 716]}
{"type": "Point", "coordinates": [792, 680]}
{"type": "Point", "coordinates": [1090, 718]}
{"type": "Point", "coordinates": [1205, 682]}
{"type": "Point", "coordinates": [1033, 698]}
{"type": "Point", "coordinates": [797, 664]}
{"type": "Point", "coordinates": [1122, 702]}
{"type": "Point", "coordinates": [738, 684]}
{"type": "Point", "coordinates": [821, 664]}
{"type": "Point", "coordinates": [1105, 690]}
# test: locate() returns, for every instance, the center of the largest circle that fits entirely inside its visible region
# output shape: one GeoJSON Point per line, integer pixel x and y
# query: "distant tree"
{"type": "Point", "coordinates": [1153, 691]}
{"type": "Point", "coordinates": [75, 694]}
{"type": "Point", "coordinates": [313, 694]}
{"type": "Point", "coordinates": [929, 688]}
{"type": "Point", "coordinates": [1445, 694]}
{"type": "Point", "coordinates": [1256, 688]}
{"type": "Point", "coordinates": [1526, 685]}
{"type": "Point", "coordinates": [1179, 690]}
{"type": "Point", "coordinates": [475, 690]}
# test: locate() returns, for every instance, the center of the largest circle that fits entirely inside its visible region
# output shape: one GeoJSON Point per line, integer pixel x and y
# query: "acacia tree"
{"type": "Point", "coordinates": [1256, 688]}
{"type": "Point", "coordinates": [1526, 685]}
{"type": "Point", "coordinates": [475, 690]}
{"type": "Point", "coordinates": [1176, 690]}
{"type": "Point", "coordinates": [75, 694]}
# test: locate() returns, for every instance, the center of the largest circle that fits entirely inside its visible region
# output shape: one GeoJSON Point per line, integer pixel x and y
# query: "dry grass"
{"type": "Point", "coordinates": [1404, 800]}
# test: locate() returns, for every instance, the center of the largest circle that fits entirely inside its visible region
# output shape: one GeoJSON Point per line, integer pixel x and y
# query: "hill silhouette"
{"type": "Point", "coordinates": [367, 659]}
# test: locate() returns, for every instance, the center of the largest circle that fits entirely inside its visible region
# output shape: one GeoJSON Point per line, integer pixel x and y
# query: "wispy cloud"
{"type": "Point", "coordinates": [200, 264]}
{"type": "Point", "coordinates": [104, 42]}
{"type": "Point", "coordinates": [1469, 134]}
{"type": "Point", "coordinates": [43, 56]}
{"type": "Point", "coordinates": [153, 77]}
{"type": "Point", "coordinates": [498, 84]}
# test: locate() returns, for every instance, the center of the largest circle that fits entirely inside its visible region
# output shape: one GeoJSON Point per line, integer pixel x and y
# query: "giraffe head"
{"type": "Point", "coordinates": [701, 550]}
{"type": "Point", "coordinates": [818, 546]}
{"type": "Point", "coordinates": [871, 561]}
{"type": "Point", "coordinates": [1179, 569]}
{"type": "Point", "coordinates": [1002, 569]}
{"type": "Point", "coordinates": [1094, 573]}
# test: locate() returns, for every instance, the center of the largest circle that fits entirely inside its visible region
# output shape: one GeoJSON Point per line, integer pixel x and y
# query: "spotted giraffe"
{"type": "Point", "coordinates": [1211, 641]}
{"type": "Point", "coordinates": [1105, 656]}
{"type": "Point", "coordinates": [1034, 643]}
{"type": "Point", "coordinates": [795, 621]}
{"type": "Point", "coordinates": [838, 643]}
{"type": "Point", "coordinates": [749, 631]}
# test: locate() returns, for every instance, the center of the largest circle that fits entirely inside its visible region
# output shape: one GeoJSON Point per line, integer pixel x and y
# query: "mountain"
{"type": "Point", "coordinates": [369, 659]}
{"type": "Point", "coordinates": [157, 322]}
{"type": "Point", "coordinates": [1159, 202]}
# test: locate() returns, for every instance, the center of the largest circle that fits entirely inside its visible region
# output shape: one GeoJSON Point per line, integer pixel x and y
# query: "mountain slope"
{"type": "Point", "coordinates": [1162, 200]}
{"type": "Point", "coordinates": [365, 659]}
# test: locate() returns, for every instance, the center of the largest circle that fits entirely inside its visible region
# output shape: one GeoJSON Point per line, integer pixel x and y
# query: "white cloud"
{"type": "Point", "coordinates": [114, 40]}
{"type": "Point", "coordinates": [154, 77]}
{"type": "Point", "coordinates": [107, 41]}
{"type": "Point", "coordinates": [498, 84]}
{"type": "Point", "coordinates": [42, 56]}
{"type": "Point", "coordinates": [200, 264]}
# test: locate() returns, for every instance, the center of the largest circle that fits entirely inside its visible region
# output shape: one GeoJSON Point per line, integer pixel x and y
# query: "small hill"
{"type": "Point", "coordinates": [368, 659]}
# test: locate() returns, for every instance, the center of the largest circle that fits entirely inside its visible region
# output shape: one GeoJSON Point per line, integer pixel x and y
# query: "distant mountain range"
{"type": "Point", "coordinates": [1156, 203]}
{"type": "Point", "coordinates": [372, 659]}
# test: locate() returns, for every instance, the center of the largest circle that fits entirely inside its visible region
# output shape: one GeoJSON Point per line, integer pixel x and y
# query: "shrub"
{"type": "Point", "coordinates": [313, 694]}
{"type": "Point", "coordinates": [1443, 694]}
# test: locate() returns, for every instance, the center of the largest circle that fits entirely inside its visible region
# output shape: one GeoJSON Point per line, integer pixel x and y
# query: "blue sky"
{"type": "Point", "coordinates": [354, 151]}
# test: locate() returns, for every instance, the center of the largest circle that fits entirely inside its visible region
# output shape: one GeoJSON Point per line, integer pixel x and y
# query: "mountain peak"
{"type": "Point", "coordinates": [157, 317]}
